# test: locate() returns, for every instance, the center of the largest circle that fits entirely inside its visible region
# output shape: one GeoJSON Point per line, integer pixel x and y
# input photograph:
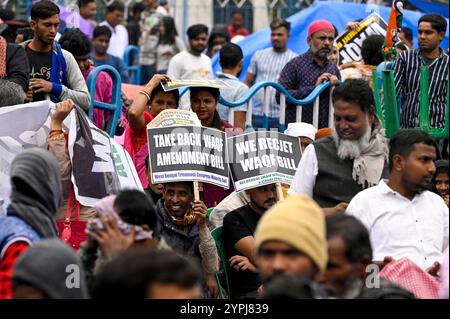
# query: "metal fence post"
{"type": "Point", "coordinates": [115, 106]}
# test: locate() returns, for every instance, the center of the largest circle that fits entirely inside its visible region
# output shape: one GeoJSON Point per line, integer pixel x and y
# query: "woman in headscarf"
{"type": "Point", "coordinates": [204, 103]}
{"type": "Point", "coordinates": [36, 196]}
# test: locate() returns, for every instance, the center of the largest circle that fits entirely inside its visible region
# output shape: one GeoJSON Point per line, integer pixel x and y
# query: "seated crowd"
{"type": "Point", "coordinates": [360, 205]}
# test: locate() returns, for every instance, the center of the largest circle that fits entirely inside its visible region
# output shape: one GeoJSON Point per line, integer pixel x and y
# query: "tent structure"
{"type": "Point", "coordinates": [430, 7]}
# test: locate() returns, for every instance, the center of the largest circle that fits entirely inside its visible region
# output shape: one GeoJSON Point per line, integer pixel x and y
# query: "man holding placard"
{"type": "Point", "coordinates": [180, 155]}
{"type": "Point", "coordinates": [182, 222]}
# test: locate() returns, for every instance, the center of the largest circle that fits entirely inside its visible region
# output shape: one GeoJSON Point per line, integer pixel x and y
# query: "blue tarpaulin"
{"type": "Point", "coordinates": [337, 13]}
{"type": "Point", "coordinates": [428, 6]}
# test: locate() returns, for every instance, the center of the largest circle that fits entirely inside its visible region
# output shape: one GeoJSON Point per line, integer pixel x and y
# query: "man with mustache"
{"type": "Point", "coordinates": [290, 241]}
{"type": "Point", "coordinates": [349, 255]}
{"type": "Point", "coordinates": [192, 64]}
{"type": "Point", "coordinates": [238, 235]}
{"type": "Point", "coordinates": [183, 224]}
{"type": "Point", "coordinates": [403, 217]}
{"type": "Point", "coordinates": [54, 71]}
{"type": "Point", "coordinates": [266, 65]}
{"type": "Point", "coordinates": [334, 169]}
{"type": "Point", "coordinates": [302, 74]}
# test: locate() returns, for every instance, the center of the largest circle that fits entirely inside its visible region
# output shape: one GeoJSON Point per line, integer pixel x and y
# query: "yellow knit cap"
{"type": "Point", "coordinates": [299, 222]}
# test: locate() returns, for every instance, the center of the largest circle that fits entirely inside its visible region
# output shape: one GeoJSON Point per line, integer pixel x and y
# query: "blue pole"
{"type": "Point", "coordinates": [115, 106]}
{"type": "Point", "coordinates": [133, 69]}
{"type": "Point", "coordinates": [185, 18]}
{"type": "Point", "coordinates": [266, 122]}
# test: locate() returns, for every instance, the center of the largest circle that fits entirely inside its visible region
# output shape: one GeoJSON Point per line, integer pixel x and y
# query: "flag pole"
{"type": "Point", "coordinates": [280, 194]}
{"type": "Point", "coordinates": [196, 191]}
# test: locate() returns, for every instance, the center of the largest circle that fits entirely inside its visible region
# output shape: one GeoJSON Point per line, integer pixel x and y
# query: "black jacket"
{"type": "Point", "coordinates": [186, 244]}
{"type": "Point", "coordinates": [17, 66]}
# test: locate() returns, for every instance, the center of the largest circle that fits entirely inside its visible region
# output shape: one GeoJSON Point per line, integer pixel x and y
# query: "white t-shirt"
{"type": "Point", "coordinates": [399, 227]}
{"type": "Point", "coordinates": [185, 66]}
{"type": "Point", "coordinates": [306, 173]}
{"type": "Point", "coordinates": [119, 40]}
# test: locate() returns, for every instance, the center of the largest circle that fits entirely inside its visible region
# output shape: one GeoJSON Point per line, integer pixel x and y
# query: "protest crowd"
{"type": "Point", "coordinates": [169, 196]}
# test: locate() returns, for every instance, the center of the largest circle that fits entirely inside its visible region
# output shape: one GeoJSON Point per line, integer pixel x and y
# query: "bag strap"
{"type": "Point", "coordinates": [77, 209]}
{"type": "Point", "coordinates": [70, 206]}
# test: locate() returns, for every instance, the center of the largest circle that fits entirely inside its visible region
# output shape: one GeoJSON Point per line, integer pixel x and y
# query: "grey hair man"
{"type": "Point", "coordinates": [11, 93]}
{"type": "Point", "coordinates": [334, 169]}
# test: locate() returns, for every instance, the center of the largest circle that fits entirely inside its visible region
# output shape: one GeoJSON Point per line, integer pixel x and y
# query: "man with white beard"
{"type": "Point", "coordinates": [334, 169]}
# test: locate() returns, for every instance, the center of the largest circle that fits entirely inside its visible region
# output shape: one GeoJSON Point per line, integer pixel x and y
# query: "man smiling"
{"type": "Point", "coordinates": [334, 169]}
{"type": "Point", "coordinates": [182, 223]}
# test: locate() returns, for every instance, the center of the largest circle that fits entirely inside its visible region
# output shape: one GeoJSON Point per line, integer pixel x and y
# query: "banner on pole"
{"type": "Point", "coordinates": [22, 127]}
{"type": "Point", "coordinates": [178, 84]}
{"type": "Point", "coordinates": [350, 42]}
{"type": "Point", "coordinates": [188, 153]}
{"type": "Point", "coordinates": [262, 158]}
{"type": "Point", "coordinates": [100, 166]}
{"type": "Point", "coordinates": [175, 118]}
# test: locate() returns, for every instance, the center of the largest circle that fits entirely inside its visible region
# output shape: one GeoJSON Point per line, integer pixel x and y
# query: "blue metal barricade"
{"type": "Point", "coordinates": [116, 97]}
{"type": "Point", "coordinates": [134, 71]}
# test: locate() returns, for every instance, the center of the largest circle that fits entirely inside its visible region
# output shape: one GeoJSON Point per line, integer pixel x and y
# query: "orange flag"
{"type": "Point", "coordinates": [393, 29]}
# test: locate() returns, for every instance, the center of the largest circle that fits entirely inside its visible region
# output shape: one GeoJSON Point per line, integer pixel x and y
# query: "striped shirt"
{"type": "Point", "coordinates": [267, 65]}
{"type": "Point", "coordinates": [407, 85]}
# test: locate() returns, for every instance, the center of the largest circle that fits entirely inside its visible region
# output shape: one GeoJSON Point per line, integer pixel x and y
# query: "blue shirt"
{"type": "Point", "coordinates": [233, 94]}
{"type": "Point", "coordinates": [267, 65]}
{"type": "Point", "coordinates": [116, 63]}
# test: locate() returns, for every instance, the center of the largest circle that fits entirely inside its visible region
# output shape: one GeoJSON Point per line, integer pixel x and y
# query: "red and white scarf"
{"type": "Point", "coordinates": [3, 45]}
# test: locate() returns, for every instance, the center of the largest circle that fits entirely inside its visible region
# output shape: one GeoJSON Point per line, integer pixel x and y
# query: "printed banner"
{"type": "Point", "coordinates": [175, 118]}
{"type": "Point", "coordinates": [128, 177]}
{"type": "Point", "coordinates": [188, 153]}
{"type": "Point", "coordinates": [177, 84]}
{"type": "Point", "coordinates": [262, 158]}
{"type": "Point", "coordinates": [29, 127]}
{"type": "Point", "coordinates": [350, 42]}
{"type": "Point", "coordinates": [99, 165]}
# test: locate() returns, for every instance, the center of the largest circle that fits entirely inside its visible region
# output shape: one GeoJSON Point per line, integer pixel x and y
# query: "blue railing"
{"type": "Point", "coordinates": [134, 71]}
{"type": "Point", "coordinates": [116, 97]}
{"type": "Point", "coordinates": [285, 96]}
{"type": "Point", "coordinates": [23, 5]}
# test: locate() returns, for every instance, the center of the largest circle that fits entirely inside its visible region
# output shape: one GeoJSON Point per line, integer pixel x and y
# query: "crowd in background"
{"type": "Point", "coordinates": [357, 199]}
